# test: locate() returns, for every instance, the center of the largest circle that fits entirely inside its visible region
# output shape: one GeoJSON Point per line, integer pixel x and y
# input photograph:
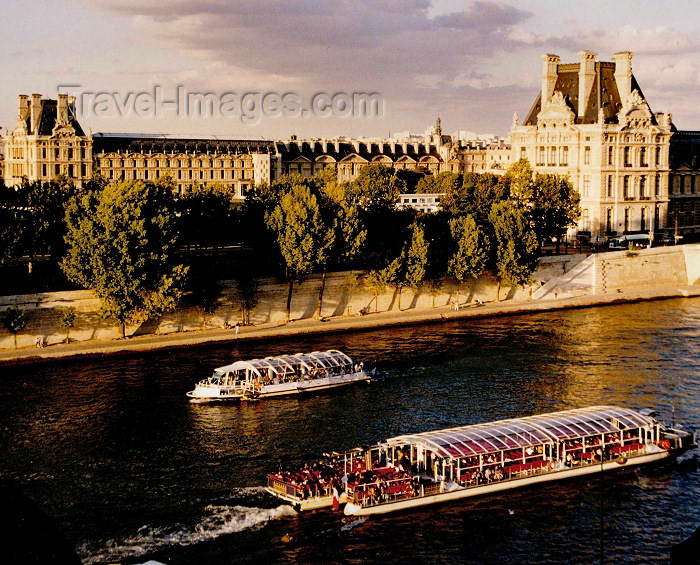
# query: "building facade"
{"type": "Point", "coordinates": [591, 122]}
{"type": "Point", "coordinates": [46, 141]}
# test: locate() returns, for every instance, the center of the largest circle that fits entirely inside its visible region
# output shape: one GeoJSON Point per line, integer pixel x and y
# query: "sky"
{"type": "Point", "coordinates": [293, 67]}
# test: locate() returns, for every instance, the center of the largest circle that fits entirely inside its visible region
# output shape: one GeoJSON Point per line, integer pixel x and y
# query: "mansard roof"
{"type": "Point", "coordinates": [604, 94]}
{"type": "Point", "coordinates": [368, 150]}
{"type": "Point", "coordinates": [161, 143]}
{"type": "Point", "coordinates": [47, 119]}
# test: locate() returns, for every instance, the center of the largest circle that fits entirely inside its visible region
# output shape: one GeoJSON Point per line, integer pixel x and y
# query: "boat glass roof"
{"type": "Point", "coordinates": [286, 364]}
{"type": "Point", "coordinates": [475, 439]}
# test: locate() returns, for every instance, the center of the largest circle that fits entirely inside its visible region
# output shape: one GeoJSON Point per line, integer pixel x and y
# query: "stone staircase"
{"type": "Point", "coordinates": [580, 280]}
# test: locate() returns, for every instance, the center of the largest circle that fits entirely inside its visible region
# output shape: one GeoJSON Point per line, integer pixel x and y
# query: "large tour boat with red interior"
{"type": "Point", "coordinates": [415, 470]}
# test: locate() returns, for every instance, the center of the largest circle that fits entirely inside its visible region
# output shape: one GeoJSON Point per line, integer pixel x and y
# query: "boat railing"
{"type": "Point", "coordinates": [295, 491]}
{"type": "Point", "coordinates": [388, 490]}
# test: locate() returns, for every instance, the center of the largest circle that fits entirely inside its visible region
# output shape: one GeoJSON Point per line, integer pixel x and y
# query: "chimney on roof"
{"type": "Point", "coordinates": [34, 113]}
{"type": "Point", "coordinates": [586, 76]}
{"type": "Point", "coordinates": [62, 112]}
{"type": "Point", "coordinates": [549, 75]}
{"type": "Point", "coordinates": [623, 73]}
{"type": "Point", "coordinates": [23, 110]}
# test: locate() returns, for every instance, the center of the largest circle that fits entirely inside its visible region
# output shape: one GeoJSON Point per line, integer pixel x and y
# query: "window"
{"type": "Point", "coordinates": [626, 188]}
{"type": "Point", "coordinates": [608, 220]}
{"type": "Point", "coordinates": [658, 156]}
{"type": "Point", "coordinates": [657, 185]}
{"type": "Point", "coordinates": [585, 220]}
{"type": "Point", "coordinates": [552, 156]}
{"type": "Point", "coordinates": [586, 185]}
{"type": "Point", "coordinates": [627, 220]}
{"type": "Point", "coordinates": [586, 155]}
{"type": "Point", "coordinates": [540, 155]}
{"type": "Point", "coordinates": [642, 188]}
{"type": "Point", "coordinates": [657, 218]}
{"type": "Point", "coordinates": [611, 155]}
{"type": "Point", "coordinates": [643, 157]}
{"type": "Point", "coordinates": [643, 220]}
{"type": "Point", "coordinates": [565, 155]}
{"type": "Point", "coordinates": [523, 153]}
{"type": "Point", "coordinates": [609, 192]}
{"type": "Point", "coordinates": [626, 154]}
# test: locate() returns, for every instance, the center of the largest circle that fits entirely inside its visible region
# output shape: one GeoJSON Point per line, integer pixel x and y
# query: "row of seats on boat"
{"type": "Point", "coordinates": [268, 377]}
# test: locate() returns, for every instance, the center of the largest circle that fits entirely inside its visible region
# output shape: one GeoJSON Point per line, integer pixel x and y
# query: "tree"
{"type": "Point", "coordinates": [469, 258]}
{"type": "Point", "coordinates": [248, 287]}
{"type": "Point", "coordinates": [376, 282]}
{"type": "Point", "coordinates": [516, 246]}
{"type": "Point", "coordinates": [519, 179]}
{"type": "Point", "coordinates": [409, 268]}
{"type": "Point", "coordinates": [206, 215]}
{"type": "Point", "coordinates": [67, 321]}
{"type": "Point", "coordinates": [441, 183]}
{"type": "Point", "coordinates": [14, 321]}
{"type": "Point", "coordinates": [303, 237]}
{"type": "Point", "coordinates": [353, 283]}
{"type": "Point", "coordinates": [349, 236]}
{"type": "Point", "coordinates": [206, 291]}
{"type": "Point", "coordinates": [376, 188]}
{"type": "Point", "coordinates": [121, 245]}
{"type": "Point", "coordinates": [555, 207]}
{"type": "Point", "coordinates": [434, 288]}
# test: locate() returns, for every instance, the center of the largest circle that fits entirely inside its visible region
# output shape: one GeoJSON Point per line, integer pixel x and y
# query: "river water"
{"type": "Point", "coordinates": [131, 471]}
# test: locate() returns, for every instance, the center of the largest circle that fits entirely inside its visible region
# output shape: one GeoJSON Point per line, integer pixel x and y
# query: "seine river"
{"type": "Point", "coordinates": [131, 471]}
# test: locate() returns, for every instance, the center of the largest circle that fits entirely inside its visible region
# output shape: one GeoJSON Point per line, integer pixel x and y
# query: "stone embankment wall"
{"type": "Point", "coordinates": [557, 277]}
{"type": "Point", "coordinates": [647, 268]}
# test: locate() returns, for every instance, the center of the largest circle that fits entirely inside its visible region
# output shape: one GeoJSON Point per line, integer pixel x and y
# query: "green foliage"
{"type": "Point", "coordinates": [121, 244]}
{"type": "Point", "coordinates": [476, 196]}
{"type": "Point", "coordinates": [376, 282]}
{"type": "Point", "coordinates": [516, 245]}
{"type": "Point", "coordinates": [408, 269]}
{"type": "Point", "coordinates": [376, 188]}
{"type": "Point", "coordinates": [248, 289]}
{"type": "Point", "coordinates": [304, 239]}
{"type": "Point", "coordinates": [519, 178]}
{"type": "Point", "coordinates": [14, 321]}
{"type": "Point", "coordinates": [470, 255]}
{"type": "Point", "coordinates": [555, 207]}
{"type": "Point", "coordinates": [441, 183]}
{"type": "Point", "coordinates": [67, 320]}
{"type": "Point", "coordinates": [207, 217]}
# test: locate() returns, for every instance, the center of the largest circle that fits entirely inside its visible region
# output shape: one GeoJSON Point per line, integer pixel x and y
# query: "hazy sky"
{"type": "Point", "coordinates": [472, 62]}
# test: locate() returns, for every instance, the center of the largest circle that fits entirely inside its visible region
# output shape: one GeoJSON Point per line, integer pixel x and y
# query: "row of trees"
{"type": "Point", "coordinates": [124, 240]}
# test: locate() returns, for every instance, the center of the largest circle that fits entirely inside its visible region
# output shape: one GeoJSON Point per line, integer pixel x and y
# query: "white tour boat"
{"type": "Point", "coordinates": [278, 376]}
{"type": "Point", "coordinates": [426, 468]}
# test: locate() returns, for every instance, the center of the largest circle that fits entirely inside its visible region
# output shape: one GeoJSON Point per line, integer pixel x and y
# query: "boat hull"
{"type": "Point", "coordinates": [352, 509]}
{"type": "Point", "coordinates": [311, 503]}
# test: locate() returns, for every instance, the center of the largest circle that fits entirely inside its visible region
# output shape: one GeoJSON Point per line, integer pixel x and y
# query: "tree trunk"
{"type": "Point", "coordinates": [15, 336]}
{"type": "Point", "coordinates": [123, 330]}
{"type": "Point", "coordinates": [320, 293]}
{"type": "Point", "coordinates": [558, 245]}
{"type": "Point", "coordinates": [498, 292]}
{"type": "Point", "coordinates": [400, 289]}
{"type": "Point", "coordinates": [459, 284]}
{"type": "Point", "coordinates": [288, 310]}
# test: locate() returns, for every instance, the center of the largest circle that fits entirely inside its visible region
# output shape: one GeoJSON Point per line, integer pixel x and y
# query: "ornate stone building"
{"type": "Point", "coordinates": [592, 122]}
{"type": "Point", "coordinates": [46, 141]}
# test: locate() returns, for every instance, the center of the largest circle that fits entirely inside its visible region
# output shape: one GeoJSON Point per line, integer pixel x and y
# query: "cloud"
{"type": "Point", "coordinates": [395, 47]}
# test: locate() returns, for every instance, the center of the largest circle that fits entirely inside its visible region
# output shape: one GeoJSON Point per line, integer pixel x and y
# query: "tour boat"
{"type": "Point", "coordinates": [414, 470]}
{"type": "Point", "coordinates": [278, 376]}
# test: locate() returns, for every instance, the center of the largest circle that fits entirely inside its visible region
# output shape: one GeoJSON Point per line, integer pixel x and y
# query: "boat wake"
{"type": "Point", "coordinates": [217, 520]}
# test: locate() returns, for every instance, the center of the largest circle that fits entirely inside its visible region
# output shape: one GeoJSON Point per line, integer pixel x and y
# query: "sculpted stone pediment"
{"type": "Point", "coordinates": [635, 112]}
{"type": "Point", "coordinates": [64, 130]}
{"type": "Point", "coordinates": [556, 112]}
